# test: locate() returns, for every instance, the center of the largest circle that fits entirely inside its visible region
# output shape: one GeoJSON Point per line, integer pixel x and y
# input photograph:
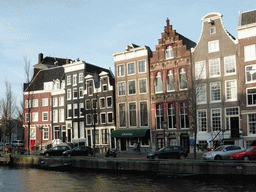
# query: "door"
{"type": "Point", "coordinates": [89, 138]}
{"type": "Point", "coordinates": [69, 135]}
{"type": "Point", "coordinates": [123, 144]}
{"type": "Point", "coordinates": [184, 142]}
{"type": "Point", "coordinates": [234, 126]}
{"type": "Point", "coordinates": [64, 137]}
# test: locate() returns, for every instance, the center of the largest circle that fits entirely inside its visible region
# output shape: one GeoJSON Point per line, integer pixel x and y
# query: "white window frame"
{"type": "Point", "coordinates": [74, 108]}
{"type": "Point", "coordinates": [140, 114]}
{"type": "Point", "coordinates": [35, 102]}
{"type": "Point", "coordinates": [75, 90]}
{"type": "Point", "coordinates": [105, 85]}
{"type": "Point", "coordinates": [69, 108]}
{"type": "Point", "coordinates": [131, 64]}
{"type": "Point", "coordinates": [69, 80]}
{"type": "Point", "coordinates": [89, 101]}
{"type": "Point", "coordinates": [220, 118]}
{"type": "Point", "coordinates": [232, 89]}
{"type": "Point", "coordinates": [229, 62]}
{"type": "Point", "coordinates": [45, 102]}
{"type": "Point", "coordinates": [201, 92]}
{"type": "Point", "coordinates": [128, 86]}
{"type": "Point", "coordinates": [213, 46]}
{"type": "Point", "coordinates": [35, 116]}
{"type": "Point", "coordinates": [81, 106]}
{"type": "Point", "coordinates": [55, 101]}
{"type": "Point", "coordinates": [214, 68]}
{"type": "Point", "coordinates": [157, 78]}
{"type": "Point", "coordinates": [228, 116]}
{"type": "Point", "coordinates": [61, 115]}
{"type": "Point", "coordinates": [139, 82]}
{"type": "Point", "coordinates": [145, 64]}
{"type": "Point", "coordinates": [200, 70]}
{"type": "Point", "coordinates": [169, 52]}
{"type": "Point", "coordinates": [43, 113]}
{"type": "Point", "coordinates": [211, 90]}
{"type": "Point", "coordinates": [107, 102]}
{"type": "Point", "coordinates": [89, 116]}
{"type": "Point", "coordinates": [27, 117]}
{"type": "Point", "coordinates": [252, 73]}
{"type": "Point", "coordinates": [81, 90]}
{"type": "Point", "coordinates": [45, 133]}
{"type": "Point", "coordinates": [102, 98]}
{"type": "Point", "coordinates": [170, 73]}
{"type": "Point", "coordinates": [74, 79]}
{"type": "Point", "coordinates": [69, 97]}
{"type": "Point", "coordinates": [61, 101]}
{"type": "Point", "coordinates": [251, 122]}
{"type": "Point", "coordinates": [199, 120]}
{"type": "Point", "coordinates": [108, 118]}
{"type": "Point", "coordinates": [130, 114]}
{"type": "Point", "coordinates": [101, 118]}
{"type": "Point", "coordinates": [55, 116]}
{"type": "Point", "coordinates": [125, 114]}
{"type": "Point", "coordinates": [120, 72]}
{"type": "Point", "coordinates": [81, 78]}
{"type": "Point", "coordinates": [249, 53]}
{"type": "Point", "coordinates": [118, 87]}
{"type": "Point", "coordinates": [253, 103]}
{"type": "Point", "coordinates": [180, 77]}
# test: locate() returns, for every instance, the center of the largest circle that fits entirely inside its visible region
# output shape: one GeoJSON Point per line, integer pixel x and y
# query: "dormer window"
{"type": "Point", "coordinates": [169, 53]}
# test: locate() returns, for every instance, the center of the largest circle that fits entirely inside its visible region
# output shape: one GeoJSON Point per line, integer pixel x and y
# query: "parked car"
{"type": "Point", "coordinates": [169, 152]}
{"type": "Point", "coordinates": [222, 152]}
{"type": "Point", "coordinates": [17, 143]}
{"type": "Point", "coordinates": [246, 155]}
{"type": "Point", "coordinates": [55, 151]}
{"type": "Point", "coordinates": [79, 151]}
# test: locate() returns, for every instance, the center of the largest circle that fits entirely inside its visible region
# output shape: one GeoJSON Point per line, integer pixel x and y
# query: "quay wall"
{"type": "Point", "coordinates": [161, 167]}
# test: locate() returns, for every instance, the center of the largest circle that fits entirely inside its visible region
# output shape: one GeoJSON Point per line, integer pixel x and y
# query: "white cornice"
{"type": "Point", "coordinates": [74, 66]}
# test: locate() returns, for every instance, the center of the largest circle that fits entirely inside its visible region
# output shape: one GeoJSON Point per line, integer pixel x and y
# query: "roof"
{"type": "Point", "coordinates": [247, 17]}
{"type": "Point", "coordinates": [49, 62]}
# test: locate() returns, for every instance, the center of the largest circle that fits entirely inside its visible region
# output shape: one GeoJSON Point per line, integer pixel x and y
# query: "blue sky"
{"type": "Point", "coordinates": [94, 29]}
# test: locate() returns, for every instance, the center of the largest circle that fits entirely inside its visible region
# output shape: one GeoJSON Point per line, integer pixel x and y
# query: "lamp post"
{"type": "Point", "coordinates": [41, 128]}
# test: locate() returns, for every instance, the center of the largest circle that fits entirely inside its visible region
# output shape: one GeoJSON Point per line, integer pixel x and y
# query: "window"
{"type": "Point", "coordinates": [142, 86]}
{"type": "Point", "coordinates": [170, 81]}
{"type": "Point", "coordinates": [142, 66]}
{"type": "Point", "coordinates": [61, 115]}
{"type": "Point", "coordinates": [200, 70]}
{"type": "Point", "coordinates": [201, 94]}
{"type": "Point", "coordinates": [105, 136]}
{"type": "Point", "coordinates": [215, 92]}
{"type": "Point", "coordinates": [74, 93]}
{"type": "Point", "coordinates": [183, 78]}
{"type": "Point", "coordinates": [35, 117]}
{"type": "Point", "coordinates": [75, 128]}
{"type": "Point", "coordinates": [96, 136]}
{"type": "Point", "coordinates": [214, 67]}
{"type": "Point", "coordinates": [46, 133]}
{"type": "Point", "coordinates": [109, 102]}
{"type": "Point", "coordinates": [69, 111]}
{"type": "Point", "coordinates": [103, 118]}
{"type": "Point", "coordinates": [105, 88]}
{"type": "Point", "coordinates": [81, 125]}
{"type": "Point", "coordinates": [249, 53]}
{"type": "Point", "coordinates": [55, 101]}
{"type": "Point", "coordinates": [95, 119]}
{"type": "Point", "coordinates": [88, 104]}
{"type": "Point", "coordinates": [75, 110]}
{"type": "Point", "coordinates": [143, 113]}
{"type": "Point", "coordinates": [159, 116]}
{"type": "Point", "coordinates": [120, 70]}
{"type": "Point", "coordinates": [74, 79]}
{"type": "Point", "coordinates": [88, 119]}
{"type": "Point", "coordinates": [158, 83]}
{"type": "Point", "coordinates": [213, 46]}
{"type": "Point", "coordinates": [27, 117]}
{"type": "Point", "coordinates": [45, 116]}
{"type": "Point", "coordinates": [90, 89]}
{"type": "Point", "coordinates": [45, 102]}
{"type": "Point", "coordinates": [212, 30]}
{"type": "Point", "coordinates": [122, 119]}
{"type": "Point", "coordinates": [171, 116]}
{"type": "Point", "coordinates": [131, 68]}
{"type": "Point", "coordinates": [102, 102]}
{"type": "Point", "coordinates": [230, 65]}
{"type": "Point", "coordinates": [251, 96]}
{"type": "Point", "coordinates": [132, 114]}
{"type": "Point", "coordinates": [231, 90]}
{"type": "Point", "coordinates": [35, 102]}
{"type": "Point", "coordinates": [250, 75]}
{"type": "Point", "coordinates": [81, 92]}
{"type": "Point", "coordinates": [81, 109]}
{"type": "Point", "coordinates": [61, 101]}
{"type": "Point", "coordinates": [252, 123]}
{"type": "Point", "coordinates": [216, 120]}
{"type": "Point", "coordinates": [55, 116]}
{"type": "Point", "coordinates": [69, 80]}
{"type": "Point", "coordinates": [121, 88]}
{"type": "Point", "coordinates": [69, 94]}
{"type": "Point", "coordinates": [184, 123]}
{"type": "Point", "coordinates": [94, 104]}
{"type": "Point", "coordinates": [81, 79]}
{"type": "Point", "coordinates": [169, 53]}
{"type": "Point", "coordinates": [110, 117]}
{"type": "Point", "coordinates": [131, 87]}
{"type": "Point", "coordinates": [201, 120]}
{"type": "Point", "coordinates": [233, 113]}
{"type": "Point", "coordinates": [26, 104]}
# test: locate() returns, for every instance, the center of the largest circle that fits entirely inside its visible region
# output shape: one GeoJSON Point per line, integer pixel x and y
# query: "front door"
{"type": "Point", "coordinates": [123, 144]}
{"type": "Point", "coordinates": [184, 142]}
{"type": "Point", "coordinates": [234, 126]}
{"type": "Point", "coordinates": [69, 135]}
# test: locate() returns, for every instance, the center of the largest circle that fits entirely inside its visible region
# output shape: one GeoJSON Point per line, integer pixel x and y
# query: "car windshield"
{"type": "Point", "coordinates": [219, 148]}
{"type": "Point", "coordinates": [250, 149]}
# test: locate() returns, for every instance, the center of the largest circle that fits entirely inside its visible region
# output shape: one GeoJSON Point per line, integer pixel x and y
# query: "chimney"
{"type": "Point", "coordinates": [40, 57]}
{"type": "Point", "coordinates": [67, 61]}
{"type": "Point", "coordinates": [167, 22]}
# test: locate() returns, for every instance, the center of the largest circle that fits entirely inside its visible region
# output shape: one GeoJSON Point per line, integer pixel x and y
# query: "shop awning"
{"type": "Point", "coordinates": [130, 133]}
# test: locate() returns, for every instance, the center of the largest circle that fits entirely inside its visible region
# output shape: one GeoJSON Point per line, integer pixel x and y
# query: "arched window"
{"type": "Point", "coordinates": [184, 115]}
{"type": "Point", "coordinates": [170, 81]}
{"type": "Point", "coordinates": [183, 78]}
{"type": "Point", "coordinates": [158, 83]}
{"type": "Point", "coordinates": [169, 52]}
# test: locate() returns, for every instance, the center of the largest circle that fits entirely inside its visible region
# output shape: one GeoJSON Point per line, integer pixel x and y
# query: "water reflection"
{"type": "Point", "coordinates": [26, 179]}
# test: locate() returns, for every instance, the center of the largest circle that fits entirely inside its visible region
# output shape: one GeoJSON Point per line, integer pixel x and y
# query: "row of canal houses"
{"type": "Point", "coordinates": [149, 100]}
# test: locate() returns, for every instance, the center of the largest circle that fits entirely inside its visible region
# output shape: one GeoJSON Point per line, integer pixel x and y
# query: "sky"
{"type": "Point", "coordinates": [92, 30]}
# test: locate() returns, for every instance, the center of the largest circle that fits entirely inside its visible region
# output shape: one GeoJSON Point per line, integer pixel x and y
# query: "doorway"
{"type": "Point", "coordinates": [234, 126]}
{"type": "Point", "coordinates": [123, 144]}
{"type": "Point", "coordinates": [69, 135]}
{"type": "Point", "coordinates": [184, 141]}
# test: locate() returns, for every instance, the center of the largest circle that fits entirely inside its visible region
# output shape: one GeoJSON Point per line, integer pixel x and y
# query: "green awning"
{"type": "Point", "coordinates": [130, 133]}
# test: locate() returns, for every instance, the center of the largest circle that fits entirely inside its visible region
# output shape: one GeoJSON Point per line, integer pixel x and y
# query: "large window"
{"type": "Point", "coordinates": [201, 120]}
{"type": "Point", "coordinates": [102, 102]}
{"type": "Point", "coordinates": [121, 88]}
{"type": "Point", "coordinates": [159, 116]}
{"type": "Point", "coordinates": [82, 132]}
{"type": "Point", "coordinates": [55, 116]}
{"type": "Point", "coordinates": [75, 128]}
{"type": "Point", "coordinates": [68, 94]}
{"type": "Point", "coordinates": [74, 79]}
{"type": "Point", "coordinates": [230, 65]}
{"type": "Point", "coordinates": [68, 80]}
{"type": "Point", "coordinates": [213, 46]}
{"type": "Point", "coordinates": [201, 96]}
{"type": "Point", "coordinates": [200, 70]}
{"type": "Point", "coordinates": [75, 110]}
{"type": "Point", "coordinates": [131, 68]}
{"type": "Point", "coordinates": [105, 136]}
{"type": "Point", "coordinates": [250, 75]}
{"type": "Point", "coordinates": [143, 113]}
{"type": "Point", "coordinates": [158, 83]}
{"type": "Point", "coordinates": [35, 102]}
{"type": "Point", "coordinates": [122, 119]}
{"type": "Point", "coordinates": [120, 70]}
{"type": "Point", "coordinates": [249, 53]}
{"type": "Point", "coordinates": [215, 92]}
{"type": "Point", "coordinates": [61, 115]}
{"type": "Point", "coordinates": [45, 102]}
{"type": "Point", "coordinates": [231, 90]}
{"type": "Point", "coordinates": [252, 123]}
{"type": "Point", "coordinates": [46, 133]}
{"type": "Point", "coordinates": [131, 87]}
{"type": "Point", "coordinates": [132, 114]}
{"type": "Point", "coordinates": [251, 97]}
{"type": "Point", "coordinates": [231, 113]}
{"type": "Point", "coordinates": [81, 79]}
{"type": "Point", "coordinates": [169, 53]}
{"type": "Point", "coordinates": [81, 109]}
{"type": "Point", "coordinates": [183, 78]}
{"type": "Point", "coordinates": [61, 101]}
{"type": "Point", "coordinates": [171, 116]}
{"type": "Point", "coordinates": [35, 116]}
{"type": "Point", "coordinates": [142, 86]}
{"type": "Point", "coordinates": [184, 122]}
{"type": "Point", "coordinates": [69, 111]}
{"type": "Point", "coordinates": [170, 81]}
{"type": "Point", "coordinates": [214, 67]}
{"type": "Point", "coordinates": [142, 66]}
{"type": "Point", "coordinates": [216, 119]}
{"type": "Point", "coordinates": [55, 101]}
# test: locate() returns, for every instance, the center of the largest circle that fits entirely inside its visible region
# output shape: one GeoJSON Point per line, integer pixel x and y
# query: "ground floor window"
{"type": "Point", "coordinates": [96, 136]}
{"type": "Point", "coordinates": [105, 136]}
{"type": "Point", "coordinates": [202, 145]}
{"type": "Point", "coordinates": [172, 142]}
{"type": "Point", "coordinates": [144, 141]}
{"type": "Point", "coordinates": [252, 123]}
{"type": "Point", "coordinates": [46, 133]}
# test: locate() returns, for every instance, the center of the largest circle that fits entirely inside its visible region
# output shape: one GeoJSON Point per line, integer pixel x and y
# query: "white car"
{"type": "Point", "coordinates": [222, 152]}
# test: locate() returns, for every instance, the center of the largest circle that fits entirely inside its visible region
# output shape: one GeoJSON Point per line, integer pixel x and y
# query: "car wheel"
{"type": "Point", "coordinates": [47, 154]}
{"type": "Point", "coordinates": [217, 157]}
{"type": "Point", "coordinates": [181, 156]}
{"type": "Point", "coordinates": [69, 155]}
{"type": "Point", "coordinates": [246, 158]}
{"type": "Point", "coordinates": [156, 157]}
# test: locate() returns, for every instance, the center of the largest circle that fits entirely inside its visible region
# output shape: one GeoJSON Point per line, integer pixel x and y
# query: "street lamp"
{"type": "Point", "coordinates": [41, 128]}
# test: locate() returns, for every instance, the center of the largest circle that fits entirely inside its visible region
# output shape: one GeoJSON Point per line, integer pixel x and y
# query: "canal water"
{"type": "Point", "coordinates": [28, 179]}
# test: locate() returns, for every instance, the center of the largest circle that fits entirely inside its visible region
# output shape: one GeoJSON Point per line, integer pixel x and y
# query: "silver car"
{"type": "Point", "coordinates": [222, 152]}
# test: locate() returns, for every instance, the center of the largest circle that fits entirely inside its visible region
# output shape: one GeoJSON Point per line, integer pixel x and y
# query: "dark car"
{"type": "Point", "coordinates": [56, 151]}
{"type": "Point", "coordinates": [169, 152]}
{"type": "Point", "coordinates": [79, 151]}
